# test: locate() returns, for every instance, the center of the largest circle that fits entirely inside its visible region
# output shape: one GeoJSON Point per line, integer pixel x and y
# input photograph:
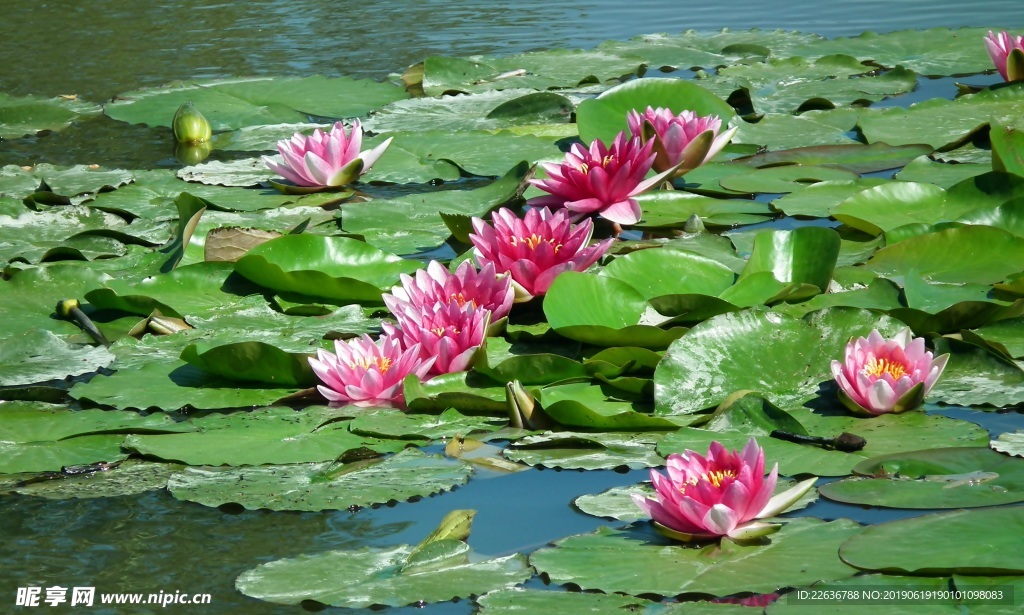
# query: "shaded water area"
{"type": "Point", "coordinates": [96, 50]}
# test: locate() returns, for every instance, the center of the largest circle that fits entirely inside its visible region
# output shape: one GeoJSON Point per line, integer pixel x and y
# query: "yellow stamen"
{"type": "Point", "coordinates": [714, 477]}
{"type": "Point", "coordinates": [876, 367]}
{"type": "Point", "coordinates": [382, 364]}
{"type": "Point", "coordinates": [440, 331]}
{"type": "Point", "coordinates": [533, 241]}
{"type": "Point", "coordinates": [461, 300]}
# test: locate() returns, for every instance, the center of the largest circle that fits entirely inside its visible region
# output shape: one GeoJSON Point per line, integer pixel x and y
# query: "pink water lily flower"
{"type": "Point", "coordinates": [601, 180]}
{"type": "Point", "coordinates": [681, 142]}
{"type": "Point", "coordinates": [1007, 53]}
{"type": "Point", "coordinates": [879, 375]}
{"type": "Point", "coordinates": [535, 249]}
{"type": "Point", "coordinates": [363, 373]}
{"type": "Point", "coordinates": [722, 494]}
{"type": "Point", "coordinates": [484, 289]}
{"type": "Point", "coordinates": [448, 333]}
{"type": "Point", "coordinates": [325, 160]}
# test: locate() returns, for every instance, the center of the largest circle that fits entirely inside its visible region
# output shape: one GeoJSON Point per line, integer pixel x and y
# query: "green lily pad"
{"type": "Point", "coordinates": [1009, 443]}
{"type": "Point", "coordinates": [466, 392]}
{"type": "Point", "coordinates": [788, 85]}
{"type": "Point", "coordinates": [987, 255]}
{"type": "Point", "coordinates": [603, 117]}
{"type": "Point", "coordinates": [944, 124]}
{"type": "Point", "coordinates": [37, 437]}
{"type": "Point", "coordinates": [381, 576]}
{"type": "Point", "coordinates": [975, 376]}
{"type": "Point", "coordinates": [263, 436]}
{"type": "Point", "coordinates": [448, 424]}
{"type": "Point", "coordinates": [28, 115]}
{"type": "Point", "coordinates": [577, 307]}
{"type": "Point", "coordinates": [662, 272]}
{"type": "Point", "coordinates": [586, 406]}
{"type": "Point", "coordinates": [894, 204]}
{"type": "Point", "coordinates": [802, 552]}
{"type": "Point", "coordinates": [932, 51]}
{"type": "Point", "coordinates": [673, 208]}
{"type": "Point", "coordinates": [940, 544]}
{"type": "Point", "coordinates": [785, 178]}
{"type": "Point", "coordinates": [942, 174]}
{"type": "Point", "coordinates": [857, 158]}
{"type": "Point", "coordinates": [52, 456]}
{"type": "Point", "coordinates": [38, 356]}
{"type": "Point", "coordinates": [726, 354]}
{"type": "Point", "coordinates": [818, 199]}
{"type": "Point", "coordinates": [336, 270]}
{"type": "Point", "coordinates": [252, 362]}
{"type": "Point", "coordinates": [172, 384]}
{"type": "Point", "coordinates": [321, 486]}
{"type": "Point", "coordinates": [783, 131]}
{"type": "Point", "coordinates": [414, 224]}
{"type": "Point", "coordinates": [577, 451]}
{"type": "Point", "coordinates": [230, 104]}
{"type": "Point", "coordinates": [128, 478]}
{"type": "Point", "coordinates": [933, 478]}
{"type": "Point", "coordinates": [805, 255]}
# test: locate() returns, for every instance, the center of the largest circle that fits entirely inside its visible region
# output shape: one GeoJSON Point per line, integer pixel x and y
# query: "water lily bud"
{"type": "Point", "coordinates": [190, 126]}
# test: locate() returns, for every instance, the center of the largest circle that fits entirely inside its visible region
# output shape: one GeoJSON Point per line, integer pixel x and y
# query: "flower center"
{"type": "Point", "coordinates": [461, 300]}
{"type": "Point", "coordinates": [381, 364]}
{"type": "Point", "coordinates": [533, 241]}
{"type": "Point", "coordinates": [715, 477]}
{"type": "Point", "coordinates": [585, 167]}
{"type": "Point", "coordinates": [440, 331]}
{"type": "Point", "coordinates": [875, 367]}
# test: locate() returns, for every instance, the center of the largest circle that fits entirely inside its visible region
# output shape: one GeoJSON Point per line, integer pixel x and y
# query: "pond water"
{"type": "Point", "coordinates": [152, 542]}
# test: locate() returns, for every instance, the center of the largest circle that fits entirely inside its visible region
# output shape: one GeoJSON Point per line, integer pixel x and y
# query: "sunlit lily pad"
{"type": "Point", "coordinates": [1009, 443]}
{"type": "Point", "coordinates": [638, 561]}
{"type": "Point", "coordinates": [943, 543]}
{"type": "Point", "coordinates": [933, 478]}
{"type": "Point", "coordinates": [173, 384]}
{"type": "Point", "coordinates": [603, 117]}
{"type": "Point", "coordinates": [230, 104]}
{"type": "Point", "coordinates": [333, 269]}
{"type": "Point", "coordinates": [321, 486]}
{"type": "Point", "coordinates": [37, 356]}
{"type": "Point", "coordinates": [30, 114]}
{"type": "Point", "coordinates": [450, 423]}
{"type": "Point", "coordinates": [726, 354]}
{"type": "Point", "coordinates": [381, 576]}
{"type": "Point", "coordinates": [576, 307]}
{"type": "Point", "coordinates": [933, 51]}
{"type": "Point", "coordinates": [129, 478]}
{"type": "Point", "coordinates": [975, 376]}
{"type": "Point", "coordinates": [577, 451]}
{"type": "Point", "coordinates": [263, 436]}
{"type": "Point", "coordinates": [941, 123]}
{"type": "Point", "coordinates": [414, 223]}
{"type": "Point", "coordinates": [44, 438]}
{"type": "Point", "coordinates": [466, 392]}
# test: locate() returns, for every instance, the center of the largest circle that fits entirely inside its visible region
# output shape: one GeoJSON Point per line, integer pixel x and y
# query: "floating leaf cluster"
{"type": "Point", "coordinates": [835, 211]}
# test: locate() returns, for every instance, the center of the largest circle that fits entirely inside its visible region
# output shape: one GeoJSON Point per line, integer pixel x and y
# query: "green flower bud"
{"type": "Point", "coordinates": [190, 126]}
